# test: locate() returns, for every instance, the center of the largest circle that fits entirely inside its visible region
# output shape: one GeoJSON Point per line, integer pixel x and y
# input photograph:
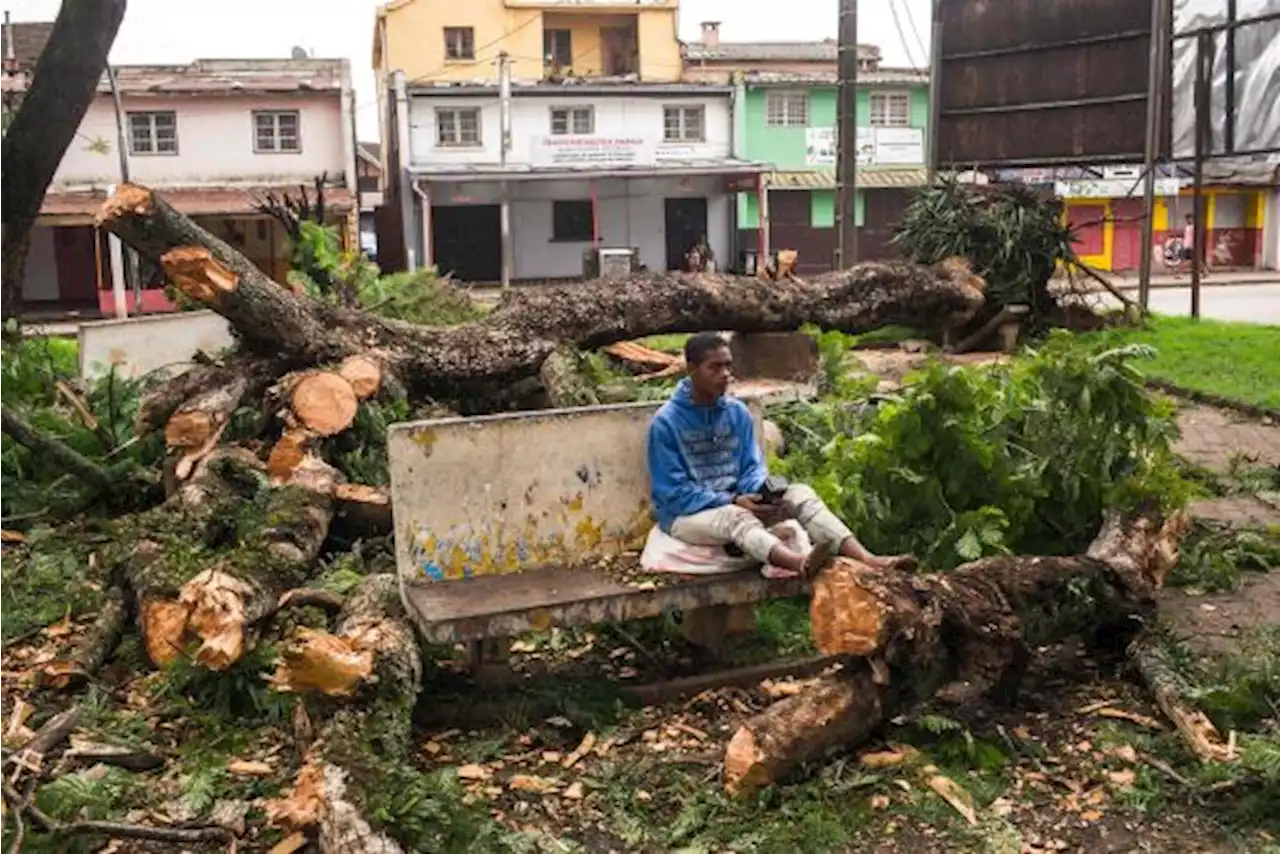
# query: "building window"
{"type": "Point", "coordinates": [786, 109]}
{"type": "Point", "coordinates": [571, 221]}
{"type": "Point", "coordinates": [684, 124]}
{"type": "Point", "coordinates": [276, 130]}
{"type": "Point", "coordinates": [572, 120]}
{"type": "Point", "coordinates": [891, 109]}
{"type": "Point", "coordinates": [557, 48]}
{"type": "Point", "coordinates": [153, 133]}
{"type": "Point", "coordinates": [459, 43]}
{"type": "Point", "coordinates": [458, 128]}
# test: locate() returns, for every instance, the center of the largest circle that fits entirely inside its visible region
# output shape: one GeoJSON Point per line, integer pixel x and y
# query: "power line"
{"type": "Point", "coordinates": [902, 36]}
{"type": "Point", "coordinates": [477, 60]}
{"type": "Point", "coordinates": [915, 31]}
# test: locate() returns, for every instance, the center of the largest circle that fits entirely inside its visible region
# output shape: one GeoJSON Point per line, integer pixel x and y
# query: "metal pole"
{"type": "Point", "coordinates": [847, 135]}
{"type": "Point", "coordinates": [1155, 80]}
{"type": "Point", "coordinates": [504, 97]}
{"type": "Point", "coordinates": [935, 84]}
{"type": "Point", "coordinates": [122, 149]}
{"type": "Point", "coordinates": [1204, 60]}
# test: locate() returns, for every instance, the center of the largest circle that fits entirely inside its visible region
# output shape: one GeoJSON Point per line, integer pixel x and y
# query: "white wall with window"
{"type": "Point", "coordinates": [465, 129]}
{"type": "Point", "coordinates": [193, 141]}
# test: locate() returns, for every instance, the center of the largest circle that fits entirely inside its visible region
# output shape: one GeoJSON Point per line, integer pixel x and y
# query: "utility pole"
{"type": "Point", "coordinates": [847, 135]}
{"type": "Point", "coordinates": [504, 98]}
{"type": "Point", "coordinates": [127, 261]}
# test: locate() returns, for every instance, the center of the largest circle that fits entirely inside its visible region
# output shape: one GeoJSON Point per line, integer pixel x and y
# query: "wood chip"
{"type": "Point", "coordinates": [1125, 752]}
{"type": "Point", "coordinates": [1090, 815]}
{"type": "Point", "coordinates": [1121, 778]}
{"type": "Point", "coordinates": [887, 758]}
{"type": "Point", "coordinates": [12, 537]}
{"type": "Point", "coordinates": [474, 772]}
{"type": "Point", "coordinates": [951, 792]}
{"type": "Point", "coordinates": [584, 747]}
{"type": "Point", "coordinates": [688, 730]}
{"type": "Point", "coordinates": [530, 783]}
{"type": "Point", "coordinates": [1132, 717]}
{"type": "Point", "coordinates": [574, 792]}
{"type": "Point", "coordinates": [249, 768]}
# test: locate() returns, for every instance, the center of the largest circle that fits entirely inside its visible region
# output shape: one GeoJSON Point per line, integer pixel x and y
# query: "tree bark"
{"type": "Point", "coordinates": [369, 731]}
{"type": "Point", "coordinates": [909, 636]}
{"type": "Point", "coordinates": [190, 591]}
{"type": "Point", "coordinates": [1169, 690]}
{"type": "Point", "coordinates": [64, 81]}
{"type": "Point", "coordinates": [513, 342]}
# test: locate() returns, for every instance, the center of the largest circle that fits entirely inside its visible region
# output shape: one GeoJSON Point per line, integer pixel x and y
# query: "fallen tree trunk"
{"type": "Point", "coordinates": [374, 660]}
{"type": "Point", "coordinates": [909, 636]}
{"type": "Point", "coordinates": [212, 560]}
{"type": "Point", "coordinates": [512, 343]}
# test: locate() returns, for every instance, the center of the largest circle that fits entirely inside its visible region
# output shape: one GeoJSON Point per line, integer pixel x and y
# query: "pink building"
{"type": "Point", "coordinates": [213, 137]}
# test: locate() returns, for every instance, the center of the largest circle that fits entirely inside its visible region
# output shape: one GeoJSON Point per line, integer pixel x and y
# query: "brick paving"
{"type": "Point", "coordinates": [1213, 439]}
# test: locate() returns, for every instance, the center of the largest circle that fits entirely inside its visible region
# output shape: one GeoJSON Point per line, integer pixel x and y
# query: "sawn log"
{"type": "Point", "coordinates": [908, 636]}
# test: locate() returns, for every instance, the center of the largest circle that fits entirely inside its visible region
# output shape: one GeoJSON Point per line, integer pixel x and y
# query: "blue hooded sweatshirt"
{"type": "Point", "coordinates": [701, 456]}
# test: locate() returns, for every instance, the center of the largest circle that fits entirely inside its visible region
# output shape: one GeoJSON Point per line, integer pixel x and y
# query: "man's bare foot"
{"type": "Point", "coordinates": [902, 563]}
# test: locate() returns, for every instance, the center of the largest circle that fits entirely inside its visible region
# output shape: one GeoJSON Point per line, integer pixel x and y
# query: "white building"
{"type": "Point", "coordinates": [213, 137]}
{"type": "Point", "coordinates": [599, 163]}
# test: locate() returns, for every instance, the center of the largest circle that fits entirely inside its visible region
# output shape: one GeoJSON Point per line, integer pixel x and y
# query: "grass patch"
{"type": "Point", "coordinates": [1233, 360]}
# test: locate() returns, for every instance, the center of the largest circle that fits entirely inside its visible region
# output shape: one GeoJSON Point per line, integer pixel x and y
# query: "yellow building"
{"type": "Point", "coordinates": [448, 40]}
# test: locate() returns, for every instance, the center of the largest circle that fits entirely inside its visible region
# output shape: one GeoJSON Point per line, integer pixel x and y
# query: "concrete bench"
{"type": "Point", "coordinates": [504, 523]}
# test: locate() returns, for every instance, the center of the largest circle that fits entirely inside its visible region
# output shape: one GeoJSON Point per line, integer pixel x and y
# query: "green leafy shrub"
{"type": "Point", "coordinates": [968, 462]}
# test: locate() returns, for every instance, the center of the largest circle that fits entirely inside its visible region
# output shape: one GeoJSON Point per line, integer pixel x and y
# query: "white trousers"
{"type": "Point", "coordinates": [733, 524]}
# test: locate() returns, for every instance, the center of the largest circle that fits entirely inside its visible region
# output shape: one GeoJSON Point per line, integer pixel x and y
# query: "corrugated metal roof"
{"type": "Point", "coordinates": [882, 77]}
{"type": "Point", "coordinates": [819, 51]}
{"type": "Point", "coordinates": [29, 39]}
{"type": "Point", "coordinates": [868, 179]}
{"type": "Point", "coordinates": [231, 76]}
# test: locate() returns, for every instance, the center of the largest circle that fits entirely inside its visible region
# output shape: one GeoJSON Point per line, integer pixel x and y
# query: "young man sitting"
{"type": "Point", "coordinates": [707, 473]}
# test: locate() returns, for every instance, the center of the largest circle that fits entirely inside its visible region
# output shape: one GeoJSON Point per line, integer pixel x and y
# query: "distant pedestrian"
{"type": "Point", "coordinates": [1190, 252]}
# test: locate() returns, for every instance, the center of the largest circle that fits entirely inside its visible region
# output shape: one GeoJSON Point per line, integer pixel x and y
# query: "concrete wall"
{"type": "Point", "coordinates": [1271, 231]}
{"type": "Point", "coordinates": [215, 144]}
{"type": "Point", "coordinates": [40, 282]}
{"type": "Point", "coordinates": [616, 116]}
{"type": "Point", "coordinates": [506, 493]}
{"type": "Point", "coordinates": [140, 345]}
{"type": "Point", "coordinates": [631, 213]}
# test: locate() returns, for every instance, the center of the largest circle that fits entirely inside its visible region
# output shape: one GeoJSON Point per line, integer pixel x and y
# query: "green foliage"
{"type": "Point", "coordinates": [835, 357]}
{"type": "Point", "coordinates": [361, 451]}
{"type": "Point", "coordinates": [347, 277]}
{"type": "Point", "coordinates": [50, 577]}
{"type": "Point", "coordinates": [32, 369]}
{"type": "Point", "coordinates": [1215, 556]}
{"type": "Point", "coordinates": [1012, 237]}
{"type": "Point", "coordinates": [970, 462]}
{"type": "Point", "coordinates": [238, 693]}
{"type": "Point", "coordinates": [1243, 689]}
{"type": "Point", "coordinates": [85, 796]}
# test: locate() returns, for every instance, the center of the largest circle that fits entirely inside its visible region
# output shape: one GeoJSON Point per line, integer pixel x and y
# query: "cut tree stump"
{"type": "Point", "coordinates": [908, 636]}
{"type": "Point", "coordinates": [512, 343]}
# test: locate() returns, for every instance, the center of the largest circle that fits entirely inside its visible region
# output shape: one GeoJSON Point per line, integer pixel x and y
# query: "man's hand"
{"type": "Point", "coordinates": [766, 513]}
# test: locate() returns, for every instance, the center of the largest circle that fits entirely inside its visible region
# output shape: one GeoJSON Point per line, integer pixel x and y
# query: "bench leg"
{"type": "Point", "coordinates": [711, 626]}
{"type": "Point", "coordinates": [489, 657]}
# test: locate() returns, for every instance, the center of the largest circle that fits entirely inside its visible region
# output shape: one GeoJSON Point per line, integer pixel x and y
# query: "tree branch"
{"type": "Point", "coordinates": [63, 456]}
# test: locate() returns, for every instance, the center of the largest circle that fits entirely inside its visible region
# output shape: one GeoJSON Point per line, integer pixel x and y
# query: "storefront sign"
{"type": "Point", "coordinates": [1114, 188]}
{"type": "Point", "coordinates": [820, 146]}
{"type": "Point", "coordinates": [593, 151]}
{"type": "Point", "coordinates": [876, 146]}
{"type": "Point", "coordinates": [898, 147]}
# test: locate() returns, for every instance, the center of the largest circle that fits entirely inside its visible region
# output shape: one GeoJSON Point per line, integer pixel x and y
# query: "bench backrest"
{"type": "Point", "coordinates": [509, 493]}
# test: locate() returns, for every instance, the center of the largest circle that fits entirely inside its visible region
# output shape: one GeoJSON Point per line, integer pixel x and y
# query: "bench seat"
{"type": "Point", "coordinates": [505, 605]}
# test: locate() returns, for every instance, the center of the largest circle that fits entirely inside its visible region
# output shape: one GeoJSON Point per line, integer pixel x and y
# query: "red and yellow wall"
{"type": "Point", "coordinates": [1109, 231]}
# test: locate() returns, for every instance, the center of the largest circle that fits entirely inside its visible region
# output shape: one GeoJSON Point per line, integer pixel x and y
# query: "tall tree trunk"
{"type": "Point", "coordinates": [64, 82]}
{"type": "Point", "coordinates": [514, 341]}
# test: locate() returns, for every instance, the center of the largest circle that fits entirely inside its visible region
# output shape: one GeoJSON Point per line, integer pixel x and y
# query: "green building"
{"type": "Point", "coordinates": [789, 120]}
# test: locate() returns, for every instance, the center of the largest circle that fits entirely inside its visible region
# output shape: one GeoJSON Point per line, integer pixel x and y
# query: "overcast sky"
{"type": "Point", "coordinates": [165, 31]}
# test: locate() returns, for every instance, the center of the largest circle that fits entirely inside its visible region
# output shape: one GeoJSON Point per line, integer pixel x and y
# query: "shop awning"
{"type": "Point", "coordinates": [78, 208]}
{"type": "Point", "coordinates": [665, 169]}
{"type": "Point", "coordinates": [868, 179]}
